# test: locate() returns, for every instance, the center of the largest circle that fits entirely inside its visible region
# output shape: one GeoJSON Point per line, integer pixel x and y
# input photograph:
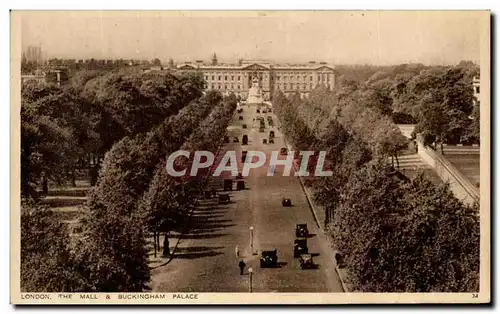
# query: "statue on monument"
{"type": "Point", "coordinates": [255, 93]}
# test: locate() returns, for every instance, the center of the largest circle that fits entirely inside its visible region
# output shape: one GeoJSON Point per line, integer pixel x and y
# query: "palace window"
{"type": "Point", "coordinates": [225, 78]}
{"type": "Point", "coordinates": [232, 78]}
{"type": "Point", "coordinates": [232, 86]}
{"type": "Point", "coordinates": [213, 86]}
{"type": "Point", "coordinates": [219, 86]}
{"type": "Point", "coordinates": [239, 86]}
{"type": "Point", "coordinates": [311, 86]}
{"type": "Point", "coordinates": [225, 86]}
{"type": "Point", "coordinates": [284, 86]}
{"type": "Point", "coordinates": [304, 86]}
{"type": "Point", "coordinates": [291, 85]}
{"type": "Point", "coordinates": [219, 79]}
{"type": "Point", "coordinates": [311, 78]}
{"type": "Point", "coordinates": [213, 78]}
{"type": "Point", "coordinates": [206, 77]}
{"type": "Point", "coordinates": [238, 77]}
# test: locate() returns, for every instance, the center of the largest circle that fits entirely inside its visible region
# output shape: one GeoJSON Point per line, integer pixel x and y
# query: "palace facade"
{"type": "Point", "coordinates": [238, 78]}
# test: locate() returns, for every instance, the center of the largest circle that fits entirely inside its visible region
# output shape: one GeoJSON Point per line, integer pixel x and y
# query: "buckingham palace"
{"type": "Point", "coordinates": [238, 78]}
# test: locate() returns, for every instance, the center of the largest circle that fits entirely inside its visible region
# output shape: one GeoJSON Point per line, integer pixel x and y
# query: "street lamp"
{"type": "Point", "coordinates": [250, 272]}
{"type": "Point", "coordinates": [251, 237]}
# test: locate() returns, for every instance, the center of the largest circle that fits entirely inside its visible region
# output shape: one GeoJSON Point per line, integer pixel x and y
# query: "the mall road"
{"type": "Point", "coordinates": [206, 261]}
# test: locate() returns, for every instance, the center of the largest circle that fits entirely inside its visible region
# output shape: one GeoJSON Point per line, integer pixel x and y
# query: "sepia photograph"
{"type": "Point", "coordinates": [250, 157]}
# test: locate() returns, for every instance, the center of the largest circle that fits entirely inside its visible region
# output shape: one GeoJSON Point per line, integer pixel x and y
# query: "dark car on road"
{"type": "Point", "coordinates": [224, 199]}
{"type": "Point", "coordinates": [271, 140]}
{"type": "Point", "coordinates": [264, 141]}
{"type": "Point", "coordinates": [228, 185]}
{"type": "Point", "coordinates": [286, 202]}
{"type": "Point", "coordinates": [271, 134]}
{"type": "Point", "coordinates": [261, 130]}
{"type": "Point", "coordinates": [244, 126]}
{"type": "Point", "coordinates": [226, 139]}
{"type": "Point", "coordinates": [240, 185]}
{"type": "Point", "coordinates": [306, 261]}
{"type": "Point", "coordinates": [257, 111]}
{"type": "Point", "coordinates": [240, 118]}
{"type": "Point", "coordinates": [300, 247]}
{"type": "Point", "coordinates": [283, 151]}
{"type": "Point", "coordinates": [301, 231]}
{"type": "Point", "coordinates": [269, 258]}
{"type": "Point", "coordinates": [244, 139]}
{"type": "Point", "coordinates": [236, 139]}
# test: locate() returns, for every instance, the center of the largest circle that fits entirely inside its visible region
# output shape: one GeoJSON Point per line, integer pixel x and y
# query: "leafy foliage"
{"type": "Point", "coordinates": [409, 237]}
{"type": "Point", "coordinates": [47, 263]}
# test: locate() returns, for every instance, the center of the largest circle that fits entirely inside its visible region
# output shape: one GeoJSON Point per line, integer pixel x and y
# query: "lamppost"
{"type": "Point", "coordinates": [251, 239]}
{"type": "Point", "coordinates": [250, 272]}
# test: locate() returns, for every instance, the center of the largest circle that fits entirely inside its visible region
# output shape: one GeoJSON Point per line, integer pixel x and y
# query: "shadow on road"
{"type": "Point", "coordinates": [197, 252]}
{"type": "Point", "coordinates": [201, 236]}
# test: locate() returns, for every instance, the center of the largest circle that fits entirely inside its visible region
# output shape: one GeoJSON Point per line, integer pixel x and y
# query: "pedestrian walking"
{"type": "Point", "coordinates": [241, 265]}
{"type": "Point", "coordinates": [237, 251]}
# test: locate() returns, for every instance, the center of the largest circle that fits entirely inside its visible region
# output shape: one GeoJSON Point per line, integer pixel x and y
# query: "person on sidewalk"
{"type": "Point", "coordinates": [241, 265]}
{"type": "Point", "coordinates": [237, 251]}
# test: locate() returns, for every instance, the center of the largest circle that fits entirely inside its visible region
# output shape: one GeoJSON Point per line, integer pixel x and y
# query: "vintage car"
{"type": "Point", "coordinates": [301, 231]}
{"type": "Point", "coordinates": [257, 111]}
{"type": "Point", "coordinates": [271, 140]}
{"type": "Point", "coordinates": [244, 126]}
{"type": "Point", "coordinates": [283, 151]}
{"type": "Point", "coordinates": [264, 141]}
{"type": "Point", "coordinates": [264, 111]}
{"type": "Point", "coordinates": [226, 139]}
{"type": "Point", "coordinates": [300, 247]}
{"type": "Point", "coordinates": [224, 199]}
{"type": "Point", "coordinates": [269, 258]}
{"type": "Point", "coordinates": [240, 185]}
{"type": "Point", "coordinates": [261, 130]}
{"type": "Point", "coordinates": [236, 139]}
{"type": "Point", "coordinates": [209, 194]}
{"type": "Point", "coordinates": [286, 202]}
{"type": "Point", "coordinates": [228, 185]}
{"type": "Point", "coordinates": [271, 134]}
{"type": "Point", "coordinates": [306, 261]}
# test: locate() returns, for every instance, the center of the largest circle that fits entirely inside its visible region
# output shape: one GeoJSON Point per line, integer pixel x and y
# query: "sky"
{"type": "Point", "coordinates": [336, 37]}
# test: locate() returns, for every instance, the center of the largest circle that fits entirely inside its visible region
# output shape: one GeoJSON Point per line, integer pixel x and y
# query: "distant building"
{"type": "Point", "coordinates": [58, 77]}
{"type": "Point", "coordinates": [33, 54]}
{"type": "Point", "coordinates": [476, 83]}
{"type": "Point", "coordinates": [238, 78]}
